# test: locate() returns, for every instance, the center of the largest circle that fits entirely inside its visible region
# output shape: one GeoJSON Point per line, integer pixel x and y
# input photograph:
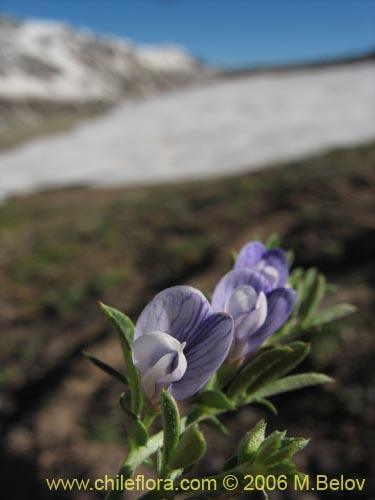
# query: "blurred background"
{"type": "Point", "coordinates": [140, 142]}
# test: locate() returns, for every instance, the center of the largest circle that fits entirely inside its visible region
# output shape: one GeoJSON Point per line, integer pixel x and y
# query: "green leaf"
{"type": "Point", "coordinates": [125, 408]}
{"type": "Point", "coordinates": [214, 422]}
{"type": "Point", "coordinates": [251, 372]}
{"type": "Point", "coordinates": [268, 366]}
{"type": "Point", "coordinates": [148, 462]}
{"type": "Point", "coordinates": [286, 467]}
{"type": "Point", "coordinates": [231, 260]}
{"type": "Point", "coordinates": [214, 399]}
{"type": "Point", "coordinates": [273, 240]}
{"type": "Point", "coordinates": [314, 294]}
{"type": "Point", "coordinates": [121, 322]}
{"type": "Point", "coordinates": [251, 441]}
{"type": "Point", "coordinates": [190, 449]}
{"type": "Point", "coordinates": [138, 433]}
{"type": "Point", "coordinates": [296, 353]}
{"type": "Point", "coordinates": [296, 277]}
{"type": "Point", "coordinates": [125, 330]}
{"type": "Point", "coordinates": [106, 368]}
{"type": "Point", "coordinates": [159, 461]}
{"type": "Point", "coordinates": [333, 313]}
{"type": "Point", "coordinates": [171, 425]}
{"type": "Point", "coordinates": [264, 402]}
{"type": "Point", "coordinates": [292, 383]}
{"type": "Point", "coordinates": [288, 448]}
{"type": "Point", "coordinates": [269, 446]}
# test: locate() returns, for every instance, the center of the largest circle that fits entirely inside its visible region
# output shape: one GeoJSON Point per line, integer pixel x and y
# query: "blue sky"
{"type": "Point", "coordinates": [223, 32]}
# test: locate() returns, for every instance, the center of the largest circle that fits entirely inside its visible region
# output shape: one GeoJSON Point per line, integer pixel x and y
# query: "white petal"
{"type": "Point", "coordinates": [148, 349]}
{"type": "Point", "coordinates": [247, 325]}
{"type": "Point", "coordinates": [242, 300]}
{"type": "Point", "coordinates": [160, 360]}
{"type": "Point", "coordinates": [269, 272]}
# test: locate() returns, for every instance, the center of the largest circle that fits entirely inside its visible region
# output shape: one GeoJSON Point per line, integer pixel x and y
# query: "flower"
{"type": "Point", "coordinates": [272, 264]}
{"type": "Point", "coordinates": [179, 342]}
{"type": "Point", "coordinates": [257, 309]}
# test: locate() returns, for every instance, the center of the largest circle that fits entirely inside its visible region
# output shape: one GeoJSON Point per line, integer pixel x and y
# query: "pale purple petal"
{"type": "Point", "coordinates": [250, 254]}
{"type": "Point", "coordinates": [248, 324]}
{"type": "Point", "coordinates": [280, 303]}
{"type": "Point", "coordinates": [178, 311]}
{"type": "Point", "coordinates": [242, 300]}
{"type": "Point", "coordinates": [148, 349]}
{"type": "Point", "coordinates": [160, 361]}
{"type": "Point", "coordinates": [204, 354]}
{"type": "Point", "coordinates": [277, 258]}
{"type": "Point", "coordinates": [233, 280]}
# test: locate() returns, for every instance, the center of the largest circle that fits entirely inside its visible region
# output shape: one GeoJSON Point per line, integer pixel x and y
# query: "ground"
{"type": "Point", "coordinates": [63, 251]}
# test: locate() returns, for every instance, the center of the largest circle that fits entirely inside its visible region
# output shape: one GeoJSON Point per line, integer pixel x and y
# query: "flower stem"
{"type": "Point", "coordinates": [136, 457]}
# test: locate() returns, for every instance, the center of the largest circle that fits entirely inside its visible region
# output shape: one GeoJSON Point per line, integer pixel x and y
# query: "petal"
{"type": "Point", "coordinates": [177, 310]}
{"type": "Point", "coordinates": [242, 300]}
{"type": "Point", "coordinates": [160, 360]}
{"type": "Point", "coordinates": [148, 349]}
{"type": "Point", "coordinates": [234, 279]}
{"type": "Point", "coordinates": [162, 374]}
{"type": "Point", "coordinates": [280, 303]}
{"type": "Point", "coordinates": [247, 325]}
{"type": "Point", "coordinates": [204, 354]}
{"type": "Point", "coordinates": [250, 254]}
{"type": "Point", "coordinates": [277, 258]}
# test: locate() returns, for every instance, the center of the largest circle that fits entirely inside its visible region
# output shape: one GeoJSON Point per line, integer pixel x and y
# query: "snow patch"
{"type": "Point", "coordinates": [224, 127]}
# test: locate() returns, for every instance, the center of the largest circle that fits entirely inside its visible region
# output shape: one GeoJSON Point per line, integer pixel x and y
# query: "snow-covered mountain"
{"type": "Point", "coordinates": [53, 61]}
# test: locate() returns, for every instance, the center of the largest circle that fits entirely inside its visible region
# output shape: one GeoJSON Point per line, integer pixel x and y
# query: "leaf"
{"type": "Point", "coordinates": [190, 449]}
{"type": "Point", "coordinates": [268, 366]}
{"type": "Point", "coordinates": [296, 277]}
{"type": "Point", "coordinates": [273, 240]}
{"type": "Point", "coordinates": [121, 322]}
{"type": "Point", "coordinates": [269, 446]}
{"type": "Point", "coordinates": [333, 313]}
{"type": "Point", "coordinates": [171, 425]}
{"type": "Point", "coordinates": [250, 442]}
{"type": "Point", "coordinates": [297, 351]}
{"type": "Point", "coordinates": [196, 413]}
{"type": "Point", "coordinates": [292, 383]}
{"type": "Point", "coordinates": [138, 433]}
{"type": "Point", "coordinates": [231, 260]}
{"type": "Point", "coordinates": [148, 462]}
{"type": "Point", "coordinates": [106, 368]}
{"type": "Point", "coordinates": [214, 422]}
{"type": "Point", "coordinates": [312, 298]}
{"type": "Point", "coordinates": [159, 460]}
{"type": "Point", "coordinates": [125, 408]}
{"type": "Point", "coordinates": [286, 467]}
{"type": "Point", "coordinates": [125, 329]}
{"type": "Point", "coordinates": [214, 399]}
{"type": "Point", "coordinates": [266, 403]}
{"type": "Point", "coordinates": [288, 448]}
{"type": "Point", "coordinates": [252, 371]}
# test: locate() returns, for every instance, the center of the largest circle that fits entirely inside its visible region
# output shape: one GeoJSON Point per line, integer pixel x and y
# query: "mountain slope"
{"type": "Point", "coordinates": [50, 60]}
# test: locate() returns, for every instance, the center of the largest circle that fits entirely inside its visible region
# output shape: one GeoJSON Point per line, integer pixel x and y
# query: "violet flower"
{"type": "Point", "coordinates": [273, 263]}
{"type": "Point", "coordinates": [258, 310]}
{"type": "Point", "coordinates": [179, 342]}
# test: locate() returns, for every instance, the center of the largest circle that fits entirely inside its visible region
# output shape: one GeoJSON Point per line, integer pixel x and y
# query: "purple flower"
{"type": "Point", "coordinates": [272, 263]}
{"type": "Point", "coordinates": [179, 342]}
{"type": "Point", "coordinates": [258, 310]}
